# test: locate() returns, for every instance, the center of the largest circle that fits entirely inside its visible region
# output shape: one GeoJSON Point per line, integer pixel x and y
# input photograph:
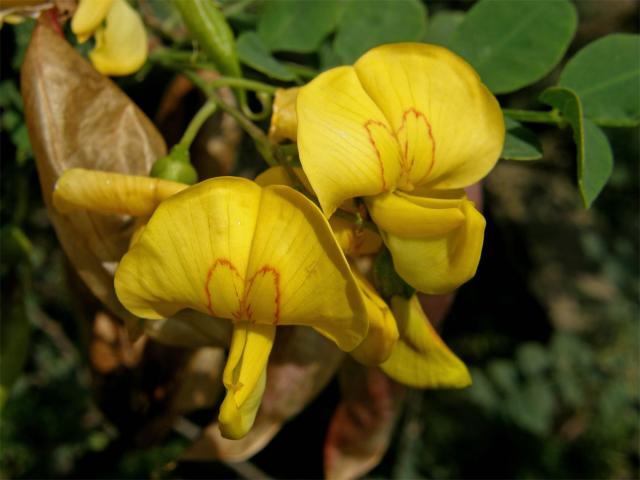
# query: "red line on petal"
{"type": "Point", "coordinates": [226, 263]}
{"type": "Point", "coordinates": [419, 115]}
{"type": "Point", "coordinates": [276, 282]}
{"type": "Point", "coordinates": [372, 141]}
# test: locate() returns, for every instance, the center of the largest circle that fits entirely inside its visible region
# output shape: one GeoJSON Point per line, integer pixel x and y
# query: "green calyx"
{"type": "Point", "coordinates": [176, 166]}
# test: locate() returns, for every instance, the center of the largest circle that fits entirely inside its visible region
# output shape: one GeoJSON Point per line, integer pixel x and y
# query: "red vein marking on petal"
{"type": "Point", "coordinates": [372, 141]}
{"type": "Point", "coordinates": [418, 115]}
{"type": "Point", "coordinates": [276, 282]}
{"type": "Point", "coordinates": [226, 263]}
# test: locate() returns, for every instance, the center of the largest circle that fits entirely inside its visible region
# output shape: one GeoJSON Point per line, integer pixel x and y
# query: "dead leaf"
{"type": "Point", "coordinates": [189, 328]}
{"type": "Point", "coordinates": [78, 118]}
{"type": "Point", "coordinates": [361, 428]}
{"type": "Point", "coordinates": [301, 365]}
{"type": "Point", "coordinates": [111, 347]}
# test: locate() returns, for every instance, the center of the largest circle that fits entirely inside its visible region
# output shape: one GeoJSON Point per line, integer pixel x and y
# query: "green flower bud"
{"type": "Point", "coordinates": [176, 166]}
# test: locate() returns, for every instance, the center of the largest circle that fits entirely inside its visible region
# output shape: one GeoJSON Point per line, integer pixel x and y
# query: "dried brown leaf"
{"type": "Point", "coordinates": [361, 428]}
{"type": "Point", "coordinates": [78, 118]}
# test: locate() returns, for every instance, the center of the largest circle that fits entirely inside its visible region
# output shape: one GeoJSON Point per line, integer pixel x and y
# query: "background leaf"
{"type": "Point", "coordinates": [442, 26]}
{"type": "Point", "coordinates": [595, 159]}
{"type": "Point", "coordinates": [368, 23]}
{"type": "Point", "coordinates": [520, 143]}
{"type": "Point", "coordinates": [514, 44]}
{"type": "Point", "coordinates": [252, 52]}
{"type": "Point", "coordinates": [297, 25]}
{"type": "Point", "coordinates": [606, 76]}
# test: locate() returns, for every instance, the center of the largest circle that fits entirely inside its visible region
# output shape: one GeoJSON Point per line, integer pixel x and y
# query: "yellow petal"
{"type": "Point", "coordinates": [449, 126]}
{"type": "Point", "coordinates": [420, 358]}
{"type": "Point", "coordinates": [346, 145]}
{"type": "Point", "coordinates": [280, 176]}
{"type": "Point", "coordinates": [412, 216]}
{"type": "Point", "coordinates": [383, 332]}
{"type": "Point", "coordinates": [232, 249]}
{"type": "Point", "coordinates": [295, 258]}
{"type": "Point", "coordinates": [107, 192]}
{"type": "Point", "coordinates": [121, 45]}
{"type": "Point", "coordinates": [88, 17]}
{"type": "Point", "coordinates": [441, 263]}
{"type": "Point", "coordinates": [355, 240]}
{"type": "Point", "coordinates": [284, 120]}
{"type": "Point", "coordinates": [244, 377]}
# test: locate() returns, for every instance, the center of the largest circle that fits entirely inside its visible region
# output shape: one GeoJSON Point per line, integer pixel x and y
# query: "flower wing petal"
{"type": "Point", "coordinates": [449, 126]}
{"type": "Point", "coordinates": [440, 263]}
{"type": "Point", "coordinates": [412, 216]}
{"type": "Point", "coordinates": [88, 17]}
{"type": "Point", "coordinates": [420, 358]}
{"type": "Point", "coordinates": [244, 377]}
{"type": "Point", "coordinates": [121, 45]}
{"type": "Point", "coordinates": [346, 146]}
{"type": "Point", "coordinates": [383, 332]}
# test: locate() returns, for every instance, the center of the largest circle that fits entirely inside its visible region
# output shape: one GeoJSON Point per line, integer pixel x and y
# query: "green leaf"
{"type": "Point", "coordinates": [442, 26]}
{"type": "Point", "coordinates": [297, 25]}
{"type": "Point", "coordinates": [514, 44]}
{"type": "Point", "coordinates": [606, 76]}
{"type": "Point", "coordinates": [369, 23]}
{"type": "Point", "coordinates": [252, 52]}
{"type": "Point", "coordinates": [520, 143]}
{"type": "Point", "coordinates": [595, 159]}
{"type": "Point", "coordinates": [533, 359]}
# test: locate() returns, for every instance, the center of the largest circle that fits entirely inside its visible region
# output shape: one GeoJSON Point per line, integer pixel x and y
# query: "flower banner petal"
{"type": "Point", "coordinates": [420, 358]}
{"type": "Point", "coordinates": [296, 261]}
{"type": "Point", "coordinates": [346, 145]}
{"type": "Point", "coordinates": [121, 46]}
{"type": "Point", "coordinates": [231, 249]}
{"type": "Point", "coordinates": [449, 126]}
{"type": "Point", "coordinates": [193, 252]}
{"type": "Point", "coordinates": [441, 263]}
{"type": "Point", "coordinates": [107, 192]}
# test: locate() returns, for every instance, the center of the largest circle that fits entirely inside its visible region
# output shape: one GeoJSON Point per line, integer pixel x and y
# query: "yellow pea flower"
{"type": "Point", "coordinates": [121, 39]}
{"type": "Point", "coordinates": [401, 340]}
{"type": "Point", "coordinates": [260, 257]}
{"type": "Point", "coordinates": [407, 128]}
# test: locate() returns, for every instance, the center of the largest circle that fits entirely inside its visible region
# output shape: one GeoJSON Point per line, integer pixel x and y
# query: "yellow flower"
{"type": "Point", "coordinates": [407, 128]}
{"type": "Point", "coordinates": [121, 44]}
{"type": "Point", "coordinates": [260, 257]}
{"type": "Point", "coordinates": [401, 339]}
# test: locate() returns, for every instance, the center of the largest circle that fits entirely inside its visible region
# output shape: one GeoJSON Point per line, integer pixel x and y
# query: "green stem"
{"type": "Point", "coordinates": [243, 83]}
{"type": "Point", "coordinates": [529, 116]}
{"type": "Point", "coordinates": [259, 137]}
{"type": "Point", "coordinates": [196, 123]}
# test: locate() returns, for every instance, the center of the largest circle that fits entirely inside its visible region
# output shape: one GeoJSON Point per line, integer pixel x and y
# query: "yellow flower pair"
{"type": "Point", "coordinates": [121, 40]}
{"type": "Point", "coordinates": [406, 128]}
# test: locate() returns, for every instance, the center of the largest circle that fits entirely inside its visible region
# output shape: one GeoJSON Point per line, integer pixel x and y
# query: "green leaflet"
{"type": "Point", "coordinates": [520, 143]}
{"type": "Point", "coordinates": [595, 159]}
{"type": "Point", "coordinates": [513, 44]}
{"type": "Point", "coordinates": [606, 76]}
